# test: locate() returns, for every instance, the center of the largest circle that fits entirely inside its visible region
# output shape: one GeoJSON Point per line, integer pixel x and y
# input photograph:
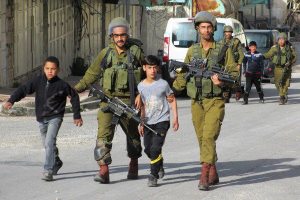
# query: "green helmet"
{"type": "Point", "coordinates": [282, 35]}
{"type": "Point", "coordinates": [204, 16]}
{"type": "Point", "coordinates": [228, 28]}
{"type": "Point", "coordinates": [118, 22]}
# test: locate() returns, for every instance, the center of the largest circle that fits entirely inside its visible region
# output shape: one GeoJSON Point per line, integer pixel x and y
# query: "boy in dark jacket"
{"type": "Point", "coordinates": [50, 100]}
{"type": "Point", "coordinates": [253, 68]}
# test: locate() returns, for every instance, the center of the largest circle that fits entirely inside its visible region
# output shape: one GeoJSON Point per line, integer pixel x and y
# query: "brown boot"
{"type": "Point", "coordinates": [203, 183]}
{"type": "Point", "coordinates": [213, 178]}
{"type": "Point", "coordinates": [103, 175]}
{"type": "Point", "coordinates": [133, 169]}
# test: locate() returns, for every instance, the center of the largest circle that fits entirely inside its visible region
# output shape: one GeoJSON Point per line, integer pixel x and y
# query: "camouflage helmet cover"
{"type": "Point", "coordinates": [118, 22]}
{"type": "Point", "coordinates": [228, 28]}
{"type": "Point", "coordinates": [282, 35]}
{"type": "Point", "coordinates": [204, 16]}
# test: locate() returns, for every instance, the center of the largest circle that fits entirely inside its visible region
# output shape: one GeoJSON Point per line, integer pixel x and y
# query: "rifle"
{"type": "Point", "coordinates": [197, 68]}
{"type": "Point", "coordinates": [118, 108]}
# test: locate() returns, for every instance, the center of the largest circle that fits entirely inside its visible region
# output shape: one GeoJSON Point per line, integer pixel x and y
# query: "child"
{"type": "Point", "coordinates": [155, 94]}
{"type": "Point", "coordinates": [50, 100]}
{"type": "Point", "coordinates": [253, 67]}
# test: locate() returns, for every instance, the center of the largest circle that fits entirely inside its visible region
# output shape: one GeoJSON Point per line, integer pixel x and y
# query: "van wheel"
{"type": "Point", "coordinates": [272, 80]}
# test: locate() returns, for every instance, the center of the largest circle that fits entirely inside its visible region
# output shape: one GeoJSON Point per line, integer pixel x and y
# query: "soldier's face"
{"type": "Point", "coordinates": [151, 71]}
{"type": "Point", "coordinates": [281, 42]}
{"type": "Point", "coordinates": [227, 35]}
{"type": "Point", "coordinates": [50, 70]}
{"type": "Point", "coordinates": [206, 30]}
{"type": "Point", "coordinates": [119, 36]}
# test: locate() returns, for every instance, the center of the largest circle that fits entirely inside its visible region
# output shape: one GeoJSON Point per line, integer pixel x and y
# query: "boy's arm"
{"type": "Point", "coordinates": [173, 105]}
{"type": "Point", "coordinates": [22, 91]}
{"type": "Point", "coordinates": [141, 127]}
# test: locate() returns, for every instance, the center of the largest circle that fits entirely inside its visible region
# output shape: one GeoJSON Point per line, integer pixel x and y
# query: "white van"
{"type": "Point", "coordinates": [180, 34]}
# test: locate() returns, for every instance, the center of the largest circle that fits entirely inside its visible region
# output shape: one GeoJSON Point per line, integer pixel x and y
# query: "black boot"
{"type": "Point", "coordinates": [261, 97]}
{"type": "Point", "coordinates": [245, 99]}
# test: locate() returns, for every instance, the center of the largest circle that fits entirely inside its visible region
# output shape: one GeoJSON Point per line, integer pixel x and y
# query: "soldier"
{"type": "Point", "coordinates": [283, 56]}
{"type": "Point", "coordinates": [207, 105]}
{"type": "Point", "coordinates": [236, 47]}
{"type": "Point", "coordinates": [118, 67]}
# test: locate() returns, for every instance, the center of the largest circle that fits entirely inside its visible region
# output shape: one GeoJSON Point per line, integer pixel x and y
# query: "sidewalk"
{"type": "Point", "coordinates": [25, 107]}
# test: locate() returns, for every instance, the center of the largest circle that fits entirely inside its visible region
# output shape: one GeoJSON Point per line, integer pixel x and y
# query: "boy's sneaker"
{"type": "Point", "coordinates": [47, 176]}
{"type": "Point", "coordinates": [161, 172]}
{"type": "Point", "coordinates": [152, 181]}
{"type": "Point", "coordinates": [57, 166]}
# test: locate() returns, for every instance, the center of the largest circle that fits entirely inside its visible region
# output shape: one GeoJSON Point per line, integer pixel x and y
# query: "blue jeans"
{"type": "Point", "coordinates": [49, 130]}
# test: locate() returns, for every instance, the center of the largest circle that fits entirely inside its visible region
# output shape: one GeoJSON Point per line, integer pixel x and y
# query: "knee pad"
{"type": "Point", "coordinates": [101, 151]}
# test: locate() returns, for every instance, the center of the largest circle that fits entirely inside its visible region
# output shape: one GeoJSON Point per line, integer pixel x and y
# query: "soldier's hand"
{"type": "Point", "coordinates": [215, 80]}
{"type": "Point", "coordinates": [78, 122]}
{"type": "Point", "coordinates": [7, 105]}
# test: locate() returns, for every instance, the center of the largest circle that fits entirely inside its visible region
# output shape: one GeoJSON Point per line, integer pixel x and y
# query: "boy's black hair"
{"type": "Point", "coordinates": [252, 43]}
{"type": "Point", "coordinates": [52, 59]}
{"type": "Point", "coordinates": [151, 60]}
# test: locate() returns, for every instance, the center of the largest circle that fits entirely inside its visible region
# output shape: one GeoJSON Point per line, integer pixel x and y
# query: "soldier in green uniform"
{"type": "Point", "coordinates": [237, 50]}
{"type": "Point", "coordinates": [118, 68]}
{"type": "Point", "coordinates": [283, 56]}
{"type": "Point", "coordinates": [207, 105]}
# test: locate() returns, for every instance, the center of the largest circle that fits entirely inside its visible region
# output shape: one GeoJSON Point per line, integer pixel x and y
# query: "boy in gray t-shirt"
{"type": "Point", "coordinates": [156, 96]}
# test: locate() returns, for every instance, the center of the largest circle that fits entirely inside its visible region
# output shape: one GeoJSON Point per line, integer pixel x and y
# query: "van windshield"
{"type": "Point", "coordinates": [184, 34]}
{"type": "Point", "coordinates": [262, 40]}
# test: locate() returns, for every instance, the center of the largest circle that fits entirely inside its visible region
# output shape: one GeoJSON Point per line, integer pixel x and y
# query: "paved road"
{"type": "Point", "coordinates": [258, 153]}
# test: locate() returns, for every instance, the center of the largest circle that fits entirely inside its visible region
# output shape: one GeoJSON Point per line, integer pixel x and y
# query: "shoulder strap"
{"type": "Point", "coordinates": [105, 62]}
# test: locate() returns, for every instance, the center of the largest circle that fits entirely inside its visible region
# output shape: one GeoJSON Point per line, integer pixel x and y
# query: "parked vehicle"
{"type": "Point", "coordinates": [265, 39]}
{"type": "Point", "coordinates": [180, 34]}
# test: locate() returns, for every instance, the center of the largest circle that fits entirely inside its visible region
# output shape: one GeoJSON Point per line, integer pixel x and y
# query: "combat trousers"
{"type": "Point", "coordinates": [282, 89]}
{"type": "Point", "coordinates": [105, 136]}
{"type": "Point", "coordinates": [207, 117]}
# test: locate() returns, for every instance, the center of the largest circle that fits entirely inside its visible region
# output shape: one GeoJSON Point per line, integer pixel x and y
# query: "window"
{"type": "Point", "coordinates": [184, 35]}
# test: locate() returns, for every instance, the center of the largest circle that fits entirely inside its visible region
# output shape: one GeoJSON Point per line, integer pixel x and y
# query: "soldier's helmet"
{"type": "Point", "coordinates": [228, 28]}
{"type": "Point", "coordinates": [283, 36]}
{"type": "Point", "coordinates": [204, 16]}
{"type": "Point", "coordinates": [118, 22]}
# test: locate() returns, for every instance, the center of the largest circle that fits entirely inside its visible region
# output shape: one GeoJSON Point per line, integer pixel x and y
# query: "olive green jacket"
{"type": "Point", "coordinates": [273, 55]}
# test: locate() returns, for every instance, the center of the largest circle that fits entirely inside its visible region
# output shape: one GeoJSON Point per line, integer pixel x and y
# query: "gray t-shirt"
{"type": "Point", "coordinates": [154, 97]}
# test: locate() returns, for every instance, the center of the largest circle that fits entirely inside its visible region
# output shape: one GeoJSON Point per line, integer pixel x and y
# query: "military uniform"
{"type": "Point", "coordinates": [280, 57]}
{"type": "Point", "coordinates": [235, 45]}
{"type": "Point", "coordinates": [110, 68]}
{"type": "Point", "coordinates": [208, 109]}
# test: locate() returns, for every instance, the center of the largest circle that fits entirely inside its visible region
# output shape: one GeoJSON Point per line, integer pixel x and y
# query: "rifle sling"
{"type": "Point", "coordinates": [131, 78]}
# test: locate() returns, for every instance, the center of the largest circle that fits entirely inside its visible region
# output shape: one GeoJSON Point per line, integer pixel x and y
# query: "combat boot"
{"type": "Point", "coordinates": [245, 99]}
{"type": "Point", "coordinates": [133, 169]}
{"type": "Point", "coordinates": [281, 100]}
{"type": "Point", "coordinates": [203, 183]}
{"type": "Point", "coordinates": [213, 178]}
{"type": "Point", "coordinates": [261, 97]}
{"type": "Point", "coordinates": [103, 176]}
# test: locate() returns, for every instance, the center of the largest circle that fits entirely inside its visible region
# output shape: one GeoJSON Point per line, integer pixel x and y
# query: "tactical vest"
{"type": "Point", "coordinates": [281, 58]}
{"type": "Point", "coordinates": [208, 90]}
{"type": "Point", "coordinates": [233, 44]}
{"type": "Point", "coordinates": [115, 80]}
